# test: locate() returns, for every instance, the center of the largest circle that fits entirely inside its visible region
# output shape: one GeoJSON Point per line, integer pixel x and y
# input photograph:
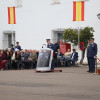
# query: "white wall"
{"type": "Point", "coordinates": [37, 18]}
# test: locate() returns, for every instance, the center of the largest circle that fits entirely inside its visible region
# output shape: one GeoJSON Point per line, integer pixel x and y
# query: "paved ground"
{"type": "Point", "coordinates": [74, 83]}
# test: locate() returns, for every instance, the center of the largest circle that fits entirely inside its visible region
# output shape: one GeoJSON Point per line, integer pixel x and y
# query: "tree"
{"type": "Point", "coordinates": [85, 35]}
{"type": "Point", "coordinates": [71, 35]}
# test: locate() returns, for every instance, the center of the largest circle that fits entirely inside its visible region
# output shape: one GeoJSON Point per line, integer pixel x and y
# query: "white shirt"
{"type": "Point", "coordinates": [73, 55]}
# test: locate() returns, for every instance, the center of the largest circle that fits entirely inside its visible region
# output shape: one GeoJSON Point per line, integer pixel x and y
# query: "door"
{"type": "Point", "coordinates": [59, 36]}
{"type": "Point", "coordinates": [9, 40]}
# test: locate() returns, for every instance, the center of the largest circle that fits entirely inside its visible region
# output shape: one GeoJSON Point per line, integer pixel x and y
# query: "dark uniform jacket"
{"type": "Point", "coordinates": [18, 47]}
{"type": "Point", "coordinates": [92, 50]}
{"type": "Point", "coordinates": [56, 47]}
{"type": "Point", "coordinates": [51, 46]}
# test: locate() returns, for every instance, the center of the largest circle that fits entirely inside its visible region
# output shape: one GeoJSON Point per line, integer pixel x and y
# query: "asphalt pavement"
{"type": "Point", "coordinates": [73, 83]}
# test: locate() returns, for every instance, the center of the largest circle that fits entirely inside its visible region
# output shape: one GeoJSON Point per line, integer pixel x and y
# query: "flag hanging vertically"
{"type": "Point", "coordinates": [11, 15]}
{"type": "Point", "coordinates": [78, 11]}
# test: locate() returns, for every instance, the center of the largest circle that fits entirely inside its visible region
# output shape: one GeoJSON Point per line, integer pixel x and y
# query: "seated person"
{"type": "Point", "coordinates": [12, 54]}
{"type": "Point", "coordinates": [22, 56]}
{"type": "Point", "coordinates": [26, 55]}
{"type": "Point", "coordinates": [32, 59]}
{"type": "Point", "coordinates": [59, 57]}
{"type": "Point", "coordinates": [2, 59]}
{"type": "Point", "coordinates": [74, 57]}
{"type": "Point", "coordinates": [8, 60]}
{"type": "Point", "coordinates": [67, 55]}
{"type": "Point", "coordinates": [18, 59]}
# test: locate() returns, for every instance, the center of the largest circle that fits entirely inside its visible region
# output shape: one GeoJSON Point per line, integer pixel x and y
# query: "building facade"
{"type": "Point", "coordinates": [37, 20]}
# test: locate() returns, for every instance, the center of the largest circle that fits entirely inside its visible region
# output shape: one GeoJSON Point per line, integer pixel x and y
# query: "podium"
{"type": "Point", "coordinates": [64, 47]}
{"type": "Point", "coordinates": [45, 61]}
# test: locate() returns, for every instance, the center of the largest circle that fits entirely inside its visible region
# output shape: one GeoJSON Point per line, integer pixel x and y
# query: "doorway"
{"type": "Point", "coordinates": [60, 36]}
{"type": "Point", "coordinates": [8, 38]}
{"type": "Point", "coordinates": [56, 35]}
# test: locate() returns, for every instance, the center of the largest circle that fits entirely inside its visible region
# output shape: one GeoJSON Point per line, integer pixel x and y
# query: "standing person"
{"type": "Point", "coordinates": [12, 47]}
{"type": "Point", "coordinates": [17, 47]}
{"type": "Point", "coordinates": [88, 46]}
{"type": "Point", "coordinates": [49, 44]}
{"type": "Point", "coordinates": [61, 41]}
{"type": "Point", "coordinates": [56, 47]}
{"type": "Point", "coordinates": [91, 55]}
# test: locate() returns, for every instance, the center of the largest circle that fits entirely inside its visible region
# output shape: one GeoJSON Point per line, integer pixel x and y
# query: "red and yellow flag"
{"type": "Point", "coordinates": [78, 11]}
{"type": "Point", "coordinates": [11, 15]}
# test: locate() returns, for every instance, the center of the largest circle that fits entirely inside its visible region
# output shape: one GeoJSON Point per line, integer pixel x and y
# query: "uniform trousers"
{"type": "Point", "coordinates": [91, 64]}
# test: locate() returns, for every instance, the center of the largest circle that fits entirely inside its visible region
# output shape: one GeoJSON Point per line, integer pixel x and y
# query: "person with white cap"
{"type": "Point", "coordinates": [17, 46]}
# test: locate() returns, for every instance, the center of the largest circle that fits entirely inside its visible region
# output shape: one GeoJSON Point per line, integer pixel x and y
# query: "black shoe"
{"type": "Point", "coordinates": [92, 71]}
{"type": "Point", "coordinates": [88, 71]}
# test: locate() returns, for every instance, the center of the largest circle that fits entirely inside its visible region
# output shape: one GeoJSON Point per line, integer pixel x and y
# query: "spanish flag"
{"type": "Point", "coordinates": [11, 15]}
{"type": "Point", "coordinates": [78, 11]}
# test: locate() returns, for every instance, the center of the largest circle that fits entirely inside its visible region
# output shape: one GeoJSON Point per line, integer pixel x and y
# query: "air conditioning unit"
{"type": "Point", "coordinates": [18, 3]}
{"type": "Point", "coordinates": [55, 2]}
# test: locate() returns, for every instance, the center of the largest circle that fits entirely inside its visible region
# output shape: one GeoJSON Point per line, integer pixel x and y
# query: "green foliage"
{"type": "Point", "coordinates": [86, 34]}
{"type": "Point", "coordinates": [71, 35]}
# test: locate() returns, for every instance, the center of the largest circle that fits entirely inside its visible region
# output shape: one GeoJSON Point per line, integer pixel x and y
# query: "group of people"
{"type": "Point", "coordinates": [71, 58]}
{"type": "Point", "coordinates": [16, 58]}
{"type": "Point", "coordinates": [67, 59]}
{"type": "Point", "coordinates": [62, 59]}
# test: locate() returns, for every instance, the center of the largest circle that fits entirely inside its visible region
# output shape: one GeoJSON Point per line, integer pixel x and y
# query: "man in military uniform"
{"type": "Point", "coordinates": [91, 55]}
{"type": "Point", "coordinates": [51, 46]}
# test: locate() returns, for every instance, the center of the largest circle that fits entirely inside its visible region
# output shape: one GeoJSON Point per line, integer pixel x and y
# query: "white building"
{"type": "Point", "coordinates": [38, 20]}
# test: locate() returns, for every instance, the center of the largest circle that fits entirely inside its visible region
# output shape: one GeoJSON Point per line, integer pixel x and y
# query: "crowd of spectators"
{"type": "Point", "coordinates": [17, 58]}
